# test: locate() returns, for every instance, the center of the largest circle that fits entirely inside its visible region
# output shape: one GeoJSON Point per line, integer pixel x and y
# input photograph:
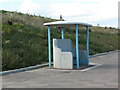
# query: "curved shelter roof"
{"type": "Point", "coordinates": [66, 23]}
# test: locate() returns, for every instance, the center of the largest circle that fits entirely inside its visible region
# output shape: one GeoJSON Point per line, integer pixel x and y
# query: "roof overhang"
{"type": "Point", "coordinates": [66, 23]}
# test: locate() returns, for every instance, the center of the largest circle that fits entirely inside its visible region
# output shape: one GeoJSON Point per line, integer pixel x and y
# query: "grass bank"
{"type": "Point", "coordinates": [25, 41]}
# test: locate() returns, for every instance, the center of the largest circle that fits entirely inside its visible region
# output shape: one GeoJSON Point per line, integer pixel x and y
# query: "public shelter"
{"type": "Point", "coordinates": [64, 55]}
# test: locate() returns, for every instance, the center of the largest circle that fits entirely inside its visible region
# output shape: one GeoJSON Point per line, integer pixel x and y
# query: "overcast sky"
{"type": "Point", "coordinates": [103, 12]}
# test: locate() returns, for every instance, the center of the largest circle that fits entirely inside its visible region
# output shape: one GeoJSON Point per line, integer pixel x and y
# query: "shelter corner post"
{"type": "Point", "coordinates": [62, 33]}
{"type": "Point", "coordinates": [87, 43]}
{"type": "Point", "coordinates": [77, 48]}
{"type": "Point", "coordinates": [49, 46]}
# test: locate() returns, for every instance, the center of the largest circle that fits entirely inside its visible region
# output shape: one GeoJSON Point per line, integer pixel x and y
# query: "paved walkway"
{"type": "Point", "coordinates": [105, 76]}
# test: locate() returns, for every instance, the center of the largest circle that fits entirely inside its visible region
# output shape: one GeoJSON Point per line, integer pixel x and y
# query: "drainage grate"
{"type": "Point", "coordinates": [66, 72]}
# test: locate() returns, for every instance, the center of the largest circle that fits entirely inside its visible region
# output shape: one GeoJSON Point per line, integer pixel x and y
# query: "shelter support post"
{"type": "Point", "coordinates": [62, 33]}
{"type": "Point", "coordinates": [49, 46]}
{"type": "Point", "coordinates": [87, 43]}
{"type": "Point", "coordinates": [77, 48]}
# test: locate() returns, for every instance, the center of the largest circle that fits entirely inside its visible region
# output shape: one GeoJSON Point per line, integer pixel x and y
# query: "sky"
{"type": "Point", "coordinates": [102, 12]}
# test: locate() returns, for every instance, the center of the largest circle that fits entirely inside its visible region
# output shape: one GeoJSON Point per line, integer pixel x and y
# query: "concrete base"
{"type": "Point", "coordinates": [64, 55]}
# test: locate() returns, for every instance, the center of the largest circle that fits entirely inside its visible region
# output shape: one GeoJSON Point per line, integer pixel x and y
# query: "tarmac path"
{"type": "Point", "coordinates": [104, 76]}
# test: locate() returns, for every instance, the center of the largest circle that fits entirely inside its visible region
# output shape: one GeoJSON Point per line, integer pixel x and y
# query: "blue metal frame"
{"type": "Point", "coordinates": [62, 33]}
{"type": "Point", "coordinates": [77, 48]}
{"type": "Point", "coordinates": [87, 43]}
{"type": "Point", "coordinates": [49, 46]}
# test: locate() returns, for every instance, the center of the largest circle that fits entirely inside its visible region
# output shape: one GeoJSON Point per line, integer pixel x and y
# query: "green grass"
{"type": "Point", "coordinates": [23, 48]}
{"type": "Point", "coordinates": [25, 42]}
